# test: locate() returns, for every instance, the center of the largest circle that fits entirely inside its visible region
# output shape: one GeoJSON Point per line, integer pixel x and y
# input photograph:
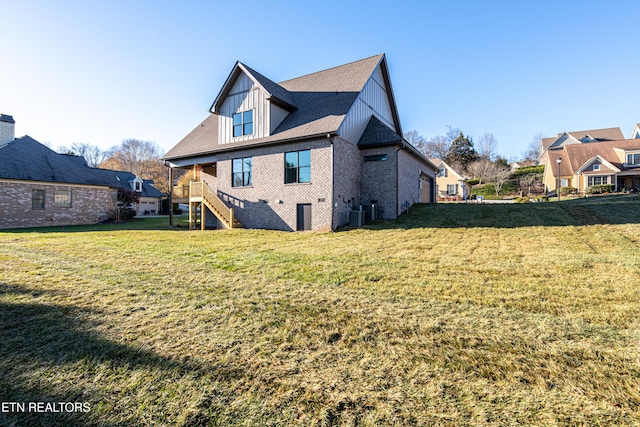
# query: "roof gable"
{"type": "Point", "coordinates": [377, 134]}
{"type": "Point", "coordinates": [322, 100]}
{"type": "Point", "coordinates": [275, 93]}
{"type": "Point", "coordinates": [599, 160]}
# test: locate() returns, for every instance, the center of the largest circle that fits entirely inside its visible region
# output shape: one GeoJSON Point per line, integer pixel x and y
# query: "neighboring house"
{"type": "Point", "coordinates": [39, 187]}
{"type": "Point", "coordinates": [584, 165]}
{"type": "Point", "coordinates": [150, 198]}
{"type": "Point", "coordinates": [303, 153]}
{"type": "Point", "coordinates": [449, 183]}
{"type": "Point", "coordinates": [636, 132]}
{"type": "Point", "coordinates": [522, 164]}
{"type": "Point", "coordinates": [578, 137]}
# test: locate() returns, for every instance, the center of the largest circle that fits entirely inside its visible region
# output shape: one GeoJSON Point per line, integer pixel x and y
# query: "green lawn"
{"type": "Point", "coordinates": [453, 315]}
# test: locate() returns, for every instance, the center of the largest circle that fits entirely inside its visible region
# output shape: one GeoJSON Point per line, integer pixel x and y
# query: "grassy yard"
{"type": "Point", "coordinates": [452, 315]}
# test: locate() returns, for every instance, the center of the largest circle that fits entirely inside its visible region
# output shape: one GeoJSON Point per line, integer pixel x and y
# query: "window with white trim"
{"type": "Point", "coordinates": [564, 182]}
{"type": "Point", "coordinates": [597, 180]}
{"type": "Point", "coordinates": [452, 189]}
{"type": "Point", "coordinates": [633, 159]}
{"type": "Point", "coordinates": [596, 167]}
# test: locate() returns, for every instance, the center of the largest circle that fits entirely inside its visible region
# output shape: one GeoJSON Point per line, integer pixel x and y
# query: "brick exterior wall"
{"type": "Point", "coordinates": [409, 179]}
{"type": "Point", "coordinates": [270, 203]}
{"type": "Point", "coordinates": [378, 180]}
{"type": "Point", "coordinates": [89, 205]}
{"type": "Point", "coordinates": [346, 183]}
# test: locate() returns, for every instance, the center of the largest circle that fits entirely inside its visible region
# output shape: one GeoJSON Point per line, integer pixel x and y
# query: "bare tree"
{"type": "Point", "coordinates": [142, 158]}
{"type": "Point", "coordinates": [437, 147]}
{"type": "Point", "coordinates": [482, 169]}
{"type": "Point", "coordinates": [534, 148]}
{"type": "Point", "coordinates": [530, 181]}
{"type": "Point", "coordinates": [416, 139]}
{"type": "Point", "coordinates": [500, 177]}
{"type": "Point", "coordinates": [487, 146]}
{"type": "Point", "coordinates": [92, 154]}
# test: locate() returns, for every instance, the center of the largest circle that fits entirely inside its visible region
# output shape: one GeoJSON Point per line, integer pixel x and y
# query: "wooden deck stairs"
{"type": "Point", "coordinates": [201, 192]}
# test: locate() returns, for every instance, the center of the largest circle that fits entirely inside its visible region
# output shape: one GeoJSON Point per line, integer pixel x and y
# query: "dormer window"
{"type": "Point", "coordinates": [633, 159]}
{"type": "Point", "coordinates": [138, 186]}
{"type": "Point", "coordinates": [243, 123]}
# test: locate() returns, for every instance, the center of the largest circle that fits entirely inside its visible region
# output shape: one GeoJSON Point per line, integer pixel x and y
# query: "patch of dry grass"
{"type": "Point", "coordinates": [454, 315]}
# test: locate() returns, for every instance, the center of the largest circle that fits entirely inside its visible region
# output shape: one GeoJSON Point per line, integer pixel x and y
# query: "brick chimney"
{"type": "Point", "coordinates": [7, 129]}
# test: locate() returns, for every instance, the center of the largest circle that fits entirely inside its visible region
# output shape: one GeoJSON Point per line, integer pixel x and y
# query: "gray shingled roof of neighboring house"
{"type": "Point", "coordinates": [28, 160]}
{"type": "Point", "coordinates": [322, 99]}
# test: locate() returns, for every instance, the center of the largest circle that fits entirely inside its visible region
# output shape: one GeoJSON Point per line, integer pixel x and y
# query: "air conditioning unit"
{"type": "Point", "coordinates": [370, 212]}
{"type": "Point", "coordinates": [356, 219]}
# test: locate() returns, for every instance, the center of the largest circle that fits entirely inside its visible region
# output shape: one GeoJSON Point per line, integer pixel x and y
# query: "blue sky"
{"type": "Point", "coordinates": [100, 72]}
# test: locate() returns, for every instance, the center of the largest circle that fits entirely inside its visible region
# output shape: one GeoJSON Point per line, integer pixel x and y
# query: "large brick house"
{"type": "Point", "coordinates": [301, 154]}
{"type": "Point", "coordinates": [39, 187]}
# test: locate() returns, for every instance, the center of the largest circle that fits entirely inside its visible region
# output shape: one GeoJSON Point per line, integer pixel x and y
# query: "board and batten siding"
{"type": "Point", "coordinates": [244, 96]}
{"type": "Point", "coordinates": [277, 116]}
{"type": "Point", "coordinates": [373, 100]}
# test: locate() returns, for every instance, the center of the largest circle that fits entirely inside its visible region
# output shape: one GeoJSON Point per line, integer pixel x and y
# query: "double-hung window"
{"type": "Point", "coordinates": [297, 166]}
{"type": "Point", "coordinates": [62, 199]}
{"type": "Point", "coordinates": [597, 180]}
{"type": "Point", "coordinates": [633, 159]}
{"type": "Point", "coordinates": [452, 189]}
{"type": "Point", "coordinates": [242, 172]}
{"type": "Point", "coordinates": [37, 199]}
{"type": "Point", "coordinates": [243, 123]}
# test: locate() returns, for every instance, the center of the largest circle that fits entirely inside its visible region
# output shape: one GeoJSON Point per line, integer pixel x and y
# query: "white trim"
{"type": "Point", "coordinates": [594, 158]}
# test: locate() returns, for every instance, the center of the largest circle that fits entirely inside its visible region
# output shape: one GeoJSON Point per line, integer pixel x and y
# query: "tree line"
{"type": "Point", "coordinates": [139, 157]}
{"type": "Point", "coordinates": [480, 160]}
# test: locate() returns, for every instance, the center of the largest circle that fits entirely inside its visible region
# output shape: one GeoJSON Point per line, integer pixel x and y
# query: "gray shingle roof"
{"type": "Point", "coordinates": [377, 133]}
{"type": "Point", "coordinates": [278, 94]}
{"type": "Point", "coordinates": [322, 99]}
{"type": "Point", "coordinates": [26, 159]}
